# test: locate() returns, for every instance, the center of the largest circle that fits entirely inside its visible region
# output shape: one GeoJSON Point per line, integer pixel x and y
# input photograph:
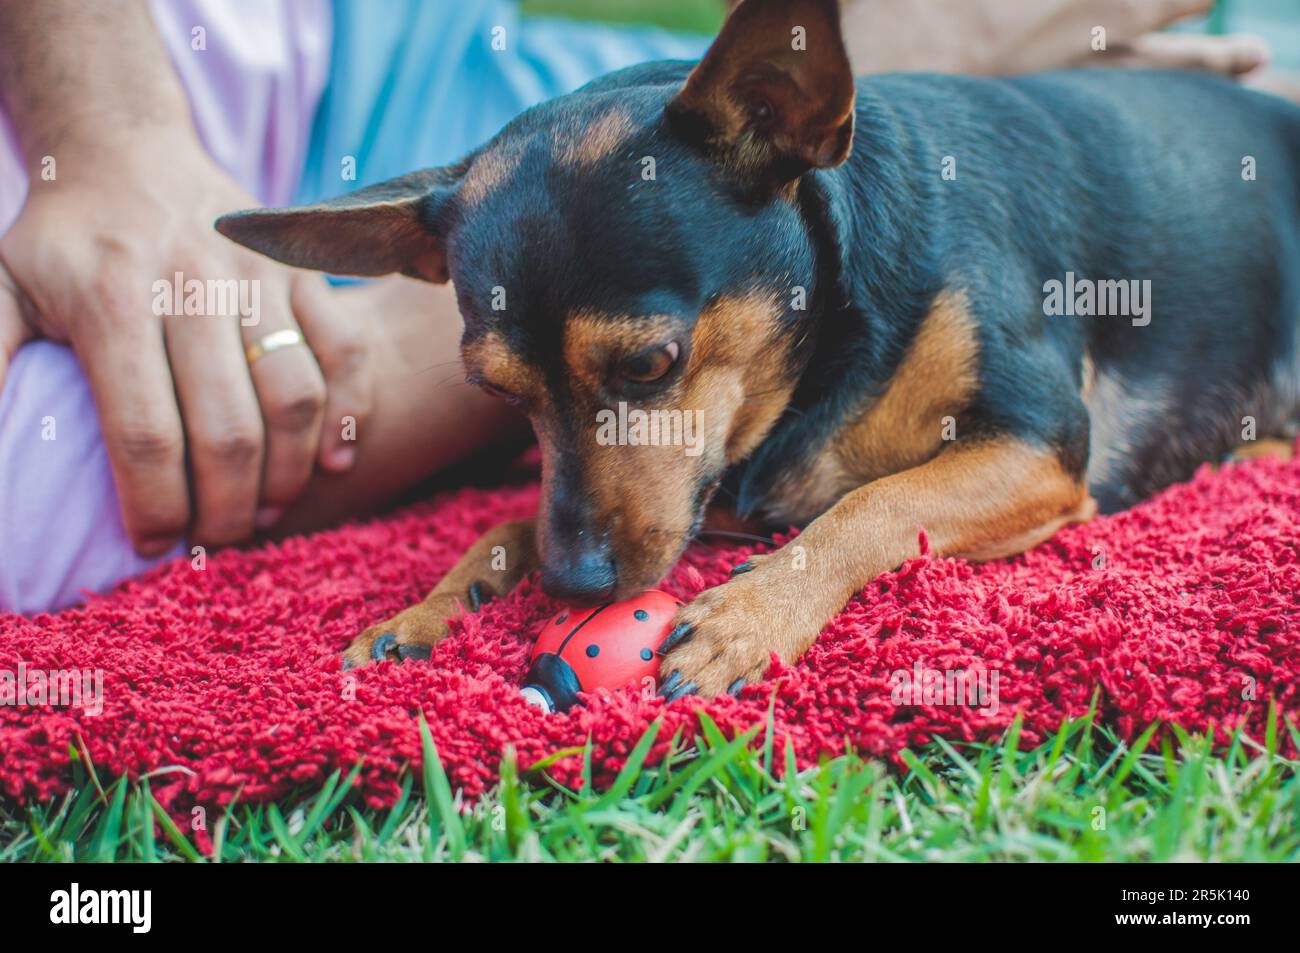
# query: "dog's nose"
{"type": "Point", "coordinates": [586, 575]}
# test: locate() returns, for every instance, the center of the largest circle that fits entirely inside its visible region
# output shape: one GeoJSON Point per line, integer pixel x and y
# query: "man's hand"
{"type": "Point", "coordinates": [1004, 37]}
{"type": "Point", "coordinates": [198, 438]}
{"type": "Point", "coordinates": [84, 257]}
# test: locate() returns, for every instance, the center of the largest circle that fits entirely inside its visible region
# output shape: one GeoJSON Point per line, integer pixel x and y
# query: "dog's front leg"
{"type": "Point", "coordinates": [979, 500]}
{"type": "Point", "coordinates": [489, 568]}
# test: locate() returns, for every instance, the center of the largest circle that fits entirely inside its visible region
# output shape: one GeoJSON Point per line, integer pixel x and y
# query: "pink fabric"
{"type": "Point", "coordinates": [253, 90]}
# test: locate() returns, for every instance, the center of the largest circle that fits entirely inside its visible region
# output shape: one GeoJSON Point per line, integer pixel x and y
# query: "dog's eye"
{"type": "Point", "coordinates": [652, 365]}
{"type": "Point", "coordinates": [492, 390]}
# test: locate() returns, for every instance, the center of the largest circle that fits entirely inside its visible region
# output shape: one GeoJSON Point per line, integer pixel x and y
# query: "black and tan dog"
{"type": "Point", "coordinates": [851, 284]}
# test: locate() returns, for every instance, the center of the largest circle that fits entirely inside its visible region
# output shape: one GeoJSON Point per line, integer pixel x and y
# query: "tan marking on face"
{"type": "Point", "coordinates": [593, 342]}
{"type": "Point", "coordinates": [595, 141]}
{"type": "Point", "coordinates": [738, 378]}
{"type": "Point", "coordinates": [492, 359]}
{"type": "Point", "coordinates": [489, 172]}
{"type": "Point", "coordinates": [743, 369]}
{"type": "Point", "coordinates": [904, 427]}
{"type": "Point", "coordinates": [1087, 376]}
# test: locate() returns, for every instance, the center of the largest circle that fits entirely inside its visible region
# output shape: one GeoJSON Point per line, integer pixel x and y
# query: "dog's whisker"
{"type": "Point", "coordinates": [434, 367]}
{"type": "Point", "coordinates": [733, 534]}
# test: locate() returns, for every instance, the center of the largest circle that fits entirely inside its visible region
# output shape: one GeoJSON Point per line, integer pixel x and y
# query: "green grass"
{"type": "Point", "coordinates": [1081, 796]}
{"type": "Point", "coordinates": [696, 16]}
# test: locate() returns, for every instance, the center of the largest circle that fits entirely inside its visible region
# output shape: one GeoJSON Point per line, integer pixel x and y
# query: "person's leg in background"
{"type": "Point", "coordinates": [433, 79]}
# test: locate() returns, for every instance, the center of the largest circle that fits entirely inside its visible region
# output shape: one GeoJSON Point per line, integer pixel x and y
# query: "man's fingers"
{"type": "Point", "coordinates": [291, 391]}
{"type": "Point", "coordinates": [223, 424]}
{"type": "Point", "coordinates": [339, 343]}
{"type": "Point", "coordinates": [1228, 55]}
{"type": "Point", "coordinates": [126, 363]}
{"type": "Point", "coordinates": [1125, 19]}
{"type": "Point", "coordinates": [1049, 34]}
{"type": "Point", "coordinates": [14, 331]}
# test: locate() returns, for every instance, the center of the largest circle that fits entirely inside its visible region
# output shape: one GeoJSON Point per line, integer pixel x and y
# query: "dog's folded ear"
{"type": "Point", "coordinates": [394, 226]}
{"type": "Point", "coordinates": [773, 96]}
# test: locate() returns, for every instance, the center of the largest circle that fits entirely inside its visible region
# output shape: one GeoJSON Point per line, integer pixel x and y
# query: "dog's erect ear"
{"type": "Point", "coordinates": [773, 97]}
{"type": "Point", "coordinates": [390, 227]}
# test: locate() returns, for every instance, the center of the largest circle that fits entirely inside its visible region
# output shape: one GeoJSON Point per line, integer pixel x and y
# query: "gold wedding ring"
{"type": "Point", "coordinates": [264, 345]}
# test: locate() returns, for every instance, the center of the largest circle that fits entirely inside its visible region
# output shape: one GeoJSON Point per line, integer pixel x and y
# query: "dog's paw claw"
{"type": "Point", "coordinates": [690, 688]}
{"type": "Point", "coordinates": [669, 684]}
{"type": "Point", "coordinates": [680, 631]}
{"type": "Point", "coordinates": [720, 643]}
{"type": "Point", "coordinates": [417, 652]}
{"type": "Point", "coordinates": [410, 634]}
{"type": "Point", "coordinates": [379, 650]}
{"type": "Point", "coordinates": [746, 566]}
{"type": "Point", "coordinates": [476, 598]}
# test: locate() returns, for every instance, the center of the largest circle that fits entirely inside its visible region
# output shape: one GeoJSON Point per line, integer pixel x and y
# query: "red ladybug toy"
{"type": "Point", "coordinates": [582, 650]}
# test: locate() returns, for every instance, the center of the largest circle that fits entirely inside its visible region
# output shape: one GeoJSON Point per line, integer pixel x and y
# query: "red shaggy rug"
{"type": "Point", "coordinates": [1185, 609]}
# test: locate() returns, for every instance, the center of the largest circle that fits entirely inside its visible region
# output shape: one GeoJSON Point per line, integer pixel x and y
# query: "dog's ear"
{"type": "Point", "coordinates": [773, 96]}
{"type": "Point", "coordinates": [391, 227]}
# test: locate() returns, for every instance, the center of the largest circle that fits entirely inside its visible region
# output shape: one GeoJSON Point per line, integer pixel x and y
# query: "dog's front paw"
{"type": "Point", "coordinates": [411, 634]}
{"type": "Point", "coordinates": [725, 638]}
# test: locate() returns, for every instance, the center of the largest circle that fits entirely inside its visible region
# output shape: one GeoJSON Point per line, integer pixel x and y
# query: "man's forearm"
{"type": "Point", "coordinates": [995, 37]}
{"type": "Point", "coordinates": [74, 73]}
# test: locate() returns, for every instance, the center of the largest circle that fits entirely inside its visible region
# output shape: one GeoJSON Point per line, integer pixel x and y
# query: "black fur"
{"type": "Point", "coordinates": [1109, 175]}
{"type": "Point", "coordinates": [1106, 174]}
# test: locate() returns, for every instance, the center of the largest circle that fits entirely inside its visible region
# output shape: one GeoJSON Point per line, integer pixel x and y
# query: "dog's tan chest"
{"type": "Point", "coordinates": [908, 424]}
